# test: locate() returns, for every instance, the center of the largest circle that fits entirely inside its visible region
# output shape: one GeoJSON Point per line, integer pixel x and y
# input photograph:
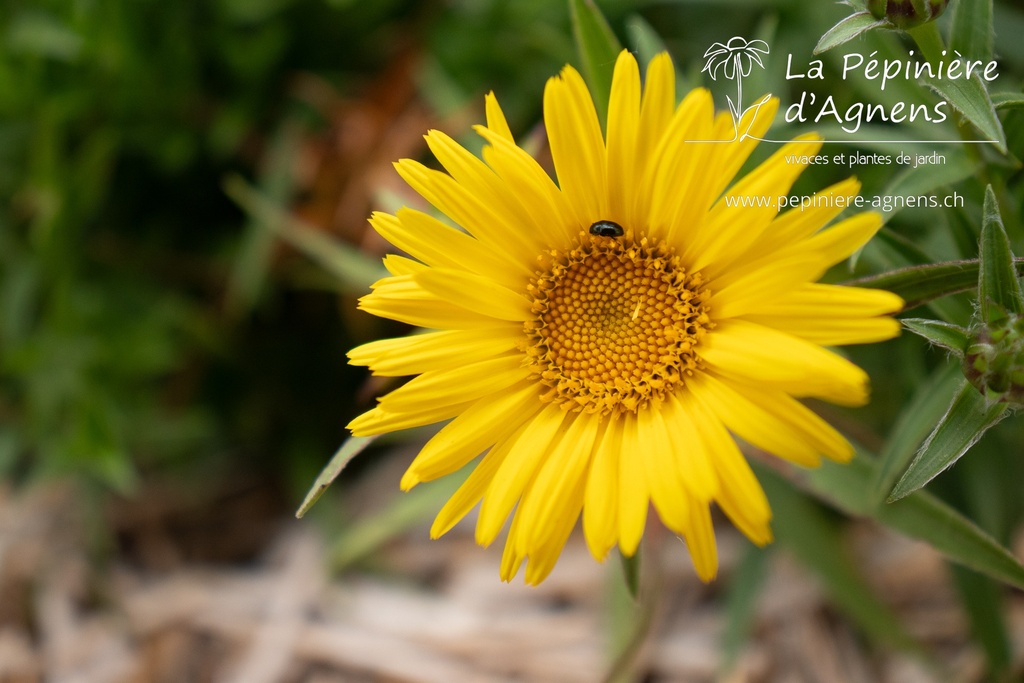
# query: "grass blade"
{"type": "Point", "coordinates": [920, 515]}
{"type": "Point", "coordinates": [352, 447]}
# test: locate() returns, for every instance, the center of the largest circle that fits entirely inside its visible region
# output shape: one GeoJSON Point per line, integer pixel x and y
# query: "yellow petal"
{"type": "Point", "coordinates": [477, 293]}
{"type": "Point", "coordinates": [577, 147]}
{"type": "Point", "coordinates": [600, 509]}
{"type": "Point", "coordinates": [403, 299]}
{"type": "Point", "coordinates": [657, 105]}
{"type": "Point", "coordinates": [418, 353]}
{"type": "Point", "coordinates": [479, 427]}
{"type": "Point", "coordinates": [799, 420]}
{"type": "Point", "coordinates": [548, 499]}
{"type": "Point", "coordinates": [754, 353]}
{"type": "Point", "coordinates": [543, 559]}
{"type": "Point", "coordinates": [434, 243]}
{"type": "Point", "coordinates": [381, 421]}
{"type": "Point", "coordinates": [556, 224]}
{"type": "Point", "coordinates": [691, 457]}
{"type": "Point", "coordinates": [520, 466]}
{"type": "Point", "coordinates": [754, 424]}
{"type": "Point", "coordinates": [728, 229]}
{"type": "Point", "coordinates": [832, 331]}
{"type": "Point", "coordinates": [675, 166]}
{"type": "Point", "coordinates": [700, 539]}
{"type": "Point", "coordinates": [845, 237]}
{"type": "Point", "coordinates": [496, 118]}
{"type": "Point", "coordinates": [740, 496]}
{"type": "Point", "coordinates": [457, 384]}
{"type": "Point", "coordinates": [634, 496]}
{"type": "Point", "coordinates": [655, 452]}
{"type": "Point", "coordinates": [482, 220]}
{"type": "Point", "coordinates": [469, 493]}
{"type": "Point", "coordinates": [747, 289]}
{"type": "Point", "coordinates": [623, 127]}
{"type": "Point", "coordinates": [801, 222]}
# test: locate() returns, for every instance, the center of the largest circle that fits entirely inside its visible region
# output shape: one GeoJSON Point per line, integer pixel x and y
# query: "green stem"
{"type": "Point", "coordinates": [929, 40]}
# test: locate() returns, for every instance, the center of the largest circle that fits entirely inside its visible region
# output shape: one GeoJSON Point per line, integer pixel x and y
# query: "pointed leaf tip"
{"type": "Point", "coordinates": [999, 290]}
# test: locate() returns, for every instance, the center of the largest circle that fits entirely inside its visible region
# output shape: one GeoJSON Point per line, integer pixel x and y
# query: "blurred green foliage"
{"type": "Point", "coordinates": [117, 121]}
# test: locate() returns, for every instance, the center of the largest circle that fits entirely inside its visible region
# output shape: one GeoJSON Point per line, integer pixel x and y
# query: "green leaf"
{"type": "Point", "coordinates": [919, 515]}
{"type": "Point", "coordinates": [631, 572]}
{"type": "Point", "coordinates": [598, 48]}
{"type": "Point", "coordinates": [815, 539]}
{"type": "Point", "coordinates": [925, 180]}
{"type": "Point", "coordinates": [1006, 100]}
{"type": "Point", "coordinates": [920, 284]}
{"type": "Point", "coordinates": [983, 601]}
{"type": "Point", "coordinates": [966, 420]}
{"type": "Point", "coordinates": [846, 30]}
{"type": "Point", "coordinates": [946, 335]}
{"type": "Point", "coordinates": [915, 421]}
{"type": "Point", "coordinates": [352, 447]}
{"type": "Point", "coordinates": [970, 97]}
{"type": "Point", "coordinates": [971, 33]}
{"type": "Point", "coordinates": [998, 288]}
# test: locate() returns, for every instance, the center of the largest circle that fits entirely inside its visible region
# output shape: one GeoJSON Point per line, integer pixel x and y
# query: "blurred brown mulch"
{"type": "Point", "coordinates": [431, 611]}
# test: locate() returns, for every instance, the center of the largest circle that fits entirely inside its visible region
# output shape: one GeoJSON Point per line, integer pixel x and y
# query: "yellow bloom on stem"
{"type": "Point", "coordinates": [601, 340]}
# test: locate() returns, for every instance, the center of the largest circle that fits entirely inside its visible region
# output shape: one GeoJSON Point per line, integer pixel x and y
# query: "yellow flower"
{"type": "Point", "coordinates": [599, 372]}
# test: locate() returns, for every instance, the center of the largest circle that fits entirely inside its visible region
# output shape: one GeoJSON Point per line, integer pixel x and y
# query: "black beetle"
{"type": "Point", "coordinates": [607, 229]}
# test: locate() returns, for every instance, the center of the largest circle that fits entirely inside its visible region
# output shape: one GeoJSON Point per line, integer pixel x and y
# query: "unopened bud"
{"type": "Point", "coordinates": [994, 361]}
{"type": "Point", "coordinates": [907, 13]}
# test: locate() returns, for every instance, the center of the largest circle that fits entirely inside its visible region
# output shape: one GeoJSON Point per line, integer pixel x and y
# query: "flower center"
{"type": "Point", "coordinates": [614, 324]}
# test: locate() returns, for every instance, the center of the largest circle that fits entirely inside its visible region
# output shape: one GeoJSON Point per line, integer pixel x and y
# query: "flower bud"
{"type": "Point", "coordinates": [907, 13]}
{"type": "Point", "coordinates": [994, 361]}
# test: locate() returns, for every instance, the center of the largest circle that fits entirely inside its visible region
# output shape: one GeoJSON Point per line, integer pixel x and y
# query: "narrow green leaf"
{"type": "Point", "coordinates": [254, 253]}
{"type": "Point", "coordinates": [846, 30]}
{"type": "Point", "coordinates": [970, 97]}
{"type": "Point", "coordinates": [983, 601]}
{"type": "Point", "coordinates": [631, 572]}
{"type": "Point", "coordinates": [946, 335]}
{"type": "Point", "coordinates": [354, 271]}
{"type": "Point", "coordinates": [920, 515]}
{"type": "Point", "coordinates": [644, 38]}
{"type": "Point", "coordinates": [598, 48]}
{"type": "Point", "coordinates": [998, 288]}
{"type": "Point", "coordinates": [966, 420]}
{"type": "Point", "coordinates": [914, 423]}
{"type": "Point", "coordinates": [971, 33]}
{"type": "Point", "coordinates": [400, 514]}
{"type": "Point", "coordinates": [920, 284]}
{"type": "Point", "coordinates": [815, 540]}
{"type": "Point", "coordinates": [629, 622]}
{"type": "Point", "coordinates": [1006, 100]}
{"type": "Point", "coordinates": [352, 447]}
{"type": "Point", "coordinates": [907, 249]}
{"type": "Point", "coordinates": [928, 40]}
